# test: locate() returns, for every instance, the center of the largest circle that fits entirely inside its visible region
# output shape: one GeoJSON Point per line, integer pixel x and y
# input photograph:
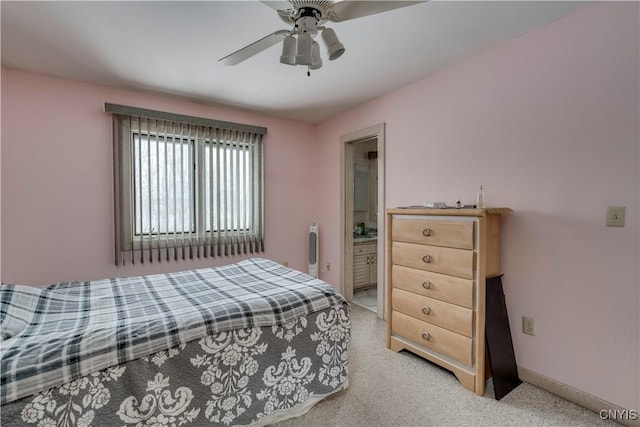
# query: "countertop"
{"type": "Point", "coordinates": [368, 239]}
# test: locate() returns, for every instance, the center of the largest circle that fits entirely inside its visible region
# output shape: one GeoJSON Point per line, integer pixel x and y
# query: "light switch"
{"type": "Point", "coordinates": [615, 216]}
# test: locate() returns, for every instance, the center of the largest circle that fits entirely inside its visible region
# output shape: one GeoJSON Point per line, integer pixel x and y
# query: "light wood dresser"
{"type": "Point", "coordinates": [437, 264]}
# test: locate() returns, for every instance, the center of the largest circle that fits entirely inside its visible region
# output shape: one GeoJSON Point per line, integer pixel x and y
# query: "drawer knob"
{"type": "Point", "coordinates": [426, 310]}
{"type": "Point", "coordinates": [426, 258]}
{"type": "Point", "coordinates": [426, 232]}
{"type": "Point", "coordinates": [426, 284]}
{"type": "Point", "coordinates": [426, 336]}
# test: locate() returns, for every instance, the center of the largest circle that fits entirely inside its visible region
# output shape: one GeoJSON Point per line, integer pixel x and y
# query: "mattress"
{"type": "Point", "coordinates": [71, 339]}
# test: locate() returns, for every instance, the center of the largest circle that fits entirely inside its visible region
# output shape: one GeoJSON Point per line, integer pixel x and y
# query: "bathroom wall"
{"type": "Point", "coordinates": [366, 192]}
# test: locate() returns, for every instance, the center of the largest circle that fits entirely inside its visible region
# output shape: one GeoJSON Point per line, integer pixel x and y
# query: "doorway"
{"type": "Point", "coordinates": [363, 217]}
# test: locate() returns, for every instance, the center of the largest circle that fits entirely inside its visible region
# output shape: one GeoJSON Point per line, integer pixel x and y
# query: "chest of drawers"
{"type": "Point", "coordinates": [437, 264]}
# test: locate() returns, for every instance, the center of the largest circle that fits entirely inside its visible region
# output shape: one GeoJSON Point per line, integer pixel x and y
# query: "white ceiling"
{"type": "Point", "coordinates": [174, 47]}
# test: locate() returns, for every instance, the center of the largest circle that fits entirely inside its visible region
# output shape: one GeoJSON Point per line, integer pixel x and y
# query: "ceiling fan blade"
{"type": "Point", "coordinates": [285, 10]}
{"type": "Point", "coordinates": [254, 48]}
{"type": "Point", "coordinates": [278, 5]}
{"type": "Point", "coordinates": [346, 10]}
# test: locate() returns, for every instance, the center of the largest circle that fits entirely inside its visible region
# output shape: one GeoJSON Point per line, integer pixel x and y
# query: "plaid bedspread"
{"type": "Point", "coordinates": [56, 334]}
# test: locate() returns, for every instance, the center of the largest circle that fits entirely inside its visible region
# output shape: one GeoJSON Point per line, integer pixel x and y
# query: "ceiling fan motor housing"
{"type": "Point", "coordinates": [307, 25]}
{"type": "Point", "coordinates": [318, 8]}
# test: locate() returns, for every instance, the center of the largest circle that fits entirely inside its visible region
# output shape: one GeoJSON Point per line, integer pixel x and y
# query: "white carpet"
{"type": "Point", "coordinates": [400, 389]}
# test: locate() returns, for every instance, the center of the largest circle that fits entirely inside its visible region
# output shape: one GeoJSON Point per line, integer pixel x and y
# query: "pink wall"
{"type": "Point", "coordinates": [57, 197]}
{"type": "Point", "coordinates": [549, 124]}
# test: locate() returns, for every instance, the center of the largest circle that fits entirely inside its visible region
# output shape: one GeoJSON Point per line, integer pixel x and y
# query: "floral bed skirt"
{"type": "Point", "coordinates": [242, 377]}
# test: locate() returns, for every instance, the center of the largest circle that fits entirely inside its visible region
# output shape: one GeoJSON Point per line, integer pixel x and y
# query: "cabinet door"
{"type": "Point", "coordinates": [373, 269]}
{"type": "Point", "coordinates": [360, 270]}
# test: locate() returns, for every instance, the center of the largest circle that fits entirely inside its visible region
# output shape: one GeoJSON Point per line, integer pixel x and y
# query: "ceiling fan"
{"type": "Point", "coordinates": [308, 18]}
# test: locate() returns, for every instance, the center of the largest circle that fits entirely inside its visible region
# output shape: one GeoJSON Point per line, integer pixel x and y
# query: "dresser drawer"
{"type": "Point", "coordinates": [452, 317]}
{"type": "Point", "coordinates": [439, 339]}
{"type": "Point", "coordinates": [453, 234]}
{"type": "Point", "coordinates": [456, 262]}
{"type": "Point", "coordinates": [451, 289]}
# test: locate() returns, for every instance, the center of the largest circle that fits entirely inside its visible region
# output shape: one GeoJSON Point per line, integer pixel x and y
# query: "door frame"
{"type": "Point", "coordinates": [346, 207]}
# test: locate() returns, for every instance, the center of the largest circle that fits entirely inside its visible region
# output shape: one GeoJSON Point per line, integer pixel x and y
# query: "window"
{"type": "Point", "coordinates": [185, 187]}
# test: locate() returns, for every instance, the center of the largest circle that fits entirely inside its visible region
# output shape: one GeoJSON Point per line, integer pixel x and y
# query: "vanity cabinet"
{"type": "Point", "coordinates": [437, 264]}
{"type": "Point", "coordinates": [365, 263]}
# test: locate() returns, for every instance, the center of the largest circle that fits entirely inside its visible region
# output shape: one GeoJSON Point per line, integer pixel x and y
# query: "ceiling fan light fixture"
{"type": "Point", "coordinates": [303, 54]}
{"type": "Point", "coordinates": [316, 59]}
{"type": "Point", "coordinates": [335, 49]}
{"type": "Point", "coordinates": [288, 51]}
{"type": "Point", "coordinates": [308, 17]}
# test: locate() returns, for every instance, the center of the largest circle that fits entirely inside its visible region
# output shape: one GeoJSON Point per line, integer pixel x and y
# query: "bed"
{"type": "Point", "coordinates": [249, 343]}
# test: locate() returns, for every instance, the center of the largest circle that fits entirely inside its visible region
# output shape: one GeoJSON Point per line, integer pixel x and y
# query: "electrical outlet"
{"type": "Point", "coordinates": [328, 266]}
{"type": "Point", "coordinates": [615, 216]}
{"type": "Point", "coordinates": [528, 326]}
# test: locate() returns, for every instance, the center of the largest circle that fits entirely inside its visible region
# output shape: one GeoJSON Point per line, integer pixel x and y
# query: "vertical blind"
{"type": "Point", "coordinates": [185, 187]}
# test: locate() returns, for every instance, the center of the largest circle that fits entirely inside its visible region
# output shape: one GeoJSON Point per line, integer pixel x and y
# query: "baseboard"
{"type": "Point", "coordinates": [628, 417]}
